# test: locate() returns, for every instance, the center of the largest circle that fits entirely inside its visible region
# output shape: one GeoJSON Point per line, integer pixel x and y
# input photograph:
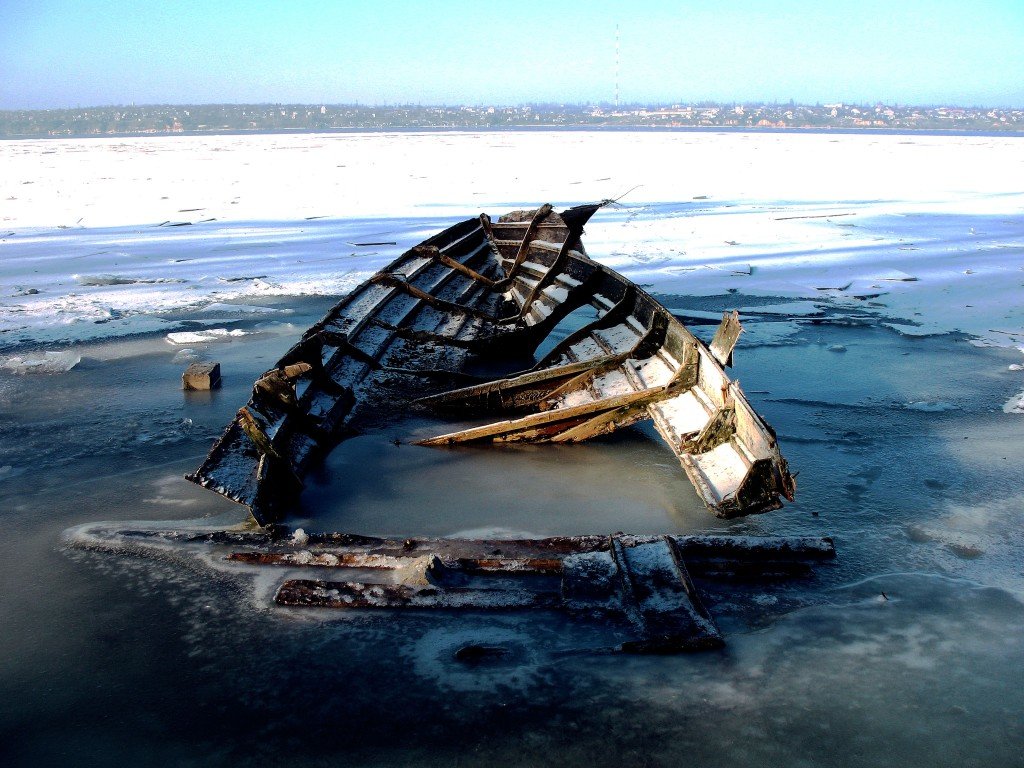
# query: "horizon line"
{"type": "Point", "coordinates": [497, 105]}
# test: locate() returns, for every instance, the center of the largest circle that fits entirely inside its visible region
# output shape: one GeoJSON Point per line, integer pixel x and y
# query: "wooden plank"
{"type": "Point", "coordinates": [508, 393]}
{"type": "Point", "coordinates": [549, 276]}
{"type": "Point", "coordinates": [393, 280]}
{"type": "Point", "coordinates": [660, 599]}
{"type": "Point", "coordinates": [505, 429]}
{"type": "Point", "coordinates": [719, 429]}
{"type": "Point", "coordinates": [726, 336]}
{"type": "Point", "coordinates": [524, 246]}
{"type": "Point", "coordinates": [603, 424]}
{"type": "Point", "coordinates": [351, 594]}
{"type": "Point", "coordinates": [491, 564]}
{"type": "Point", "coordinates": [434, 253]}
{"type": "Point", "coordinates": [613, 316]}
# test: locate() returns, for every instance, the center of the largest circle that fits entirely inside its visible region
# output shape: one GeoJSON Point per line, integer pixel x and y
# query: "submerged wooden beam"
{"type": "Point", "coordinates": [726, 336]}
{"type": "Point", "coordinates": [640, 580]}
{"type": "Point", "coordinates": [349, 594]}
{"type": "Point", "coordinates": [646, 586]}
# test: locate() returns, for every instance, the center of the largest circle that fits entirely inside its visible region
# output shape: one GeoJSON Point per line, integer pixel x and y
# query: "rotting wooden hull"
{"type": "Point", "coordinates": [483, 289]}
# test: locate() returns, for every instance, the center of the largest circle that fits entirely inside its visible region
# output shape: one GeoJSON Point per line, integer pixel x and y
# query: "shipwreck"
{"type": "Point", "coordinates": [446, 327]}
{"type": "Point", "coordinates": [483, 290]}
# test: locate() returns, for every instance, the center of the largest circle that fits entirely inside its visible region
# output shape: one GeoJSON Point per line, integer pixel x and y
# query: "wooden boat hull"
{"type": "Point", "coordinates": [492, 291]}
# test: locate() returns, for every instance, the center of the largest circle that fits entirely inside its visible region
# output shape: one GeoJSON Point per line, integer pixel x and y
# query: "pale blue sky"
{"type": "Point", "coordinates": [61, 53]}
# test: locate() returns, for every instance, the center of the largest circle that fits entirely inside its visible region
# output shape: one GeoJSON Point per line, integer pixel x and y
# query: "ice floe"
{"type": "Point", "coordinates": [205, 336]}
{"type": "Point", "coordinates": [41, 362]}
{"type": "Point", "coordinates": [1014, 404]}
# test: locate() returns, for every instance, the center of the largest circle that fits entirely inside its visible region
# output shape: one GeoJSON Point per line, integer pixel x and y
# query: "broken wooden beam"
{"type": "Point", "coordinates": [725, 338]}
{"type": "Point", "coordinates": [201, 376]}
{"type": "Point", "coordinates": [643, 585]}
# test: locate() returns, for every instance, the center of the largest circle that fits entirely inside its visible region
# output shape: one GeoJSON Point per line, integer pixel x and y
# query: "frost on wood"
{"type": "Point", "coordinates": [484, 291]}
{"type": "Point", "coordinates": [644, 587]}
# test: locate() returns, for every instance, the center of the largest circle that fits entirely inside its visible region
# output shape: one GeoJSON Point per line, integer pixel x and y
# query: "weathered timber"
{"type": "Point", "coordinates": [645, 586]}
{"type": "Point", "coordinates": [251, 545]}
{"type": "Point", "coordinates": [482, 291]}
{"type": "Point", "coordinates": [349, 594]}
{"type": "Point", "coordinates": [641, 580]}
{"type": "Point", "coordinates": [201, 376]}
{"type": "Point", "coordinates": [726, 336]}
{"type": "Point", "coordinates": [524, 246]}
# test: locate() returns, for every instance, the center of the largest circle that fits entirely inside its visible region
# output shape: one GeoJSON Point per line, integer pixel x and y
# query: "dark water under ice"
{"type": "Point", "coordinates": [906, 651]}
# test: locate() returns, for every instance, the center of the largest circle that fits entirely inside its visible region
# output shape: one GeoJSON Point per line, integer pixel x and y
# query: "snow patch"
{"type": "Point", "coordinates": [1014, 404]}
{"type": "Point", "coordinates": [206, 336]}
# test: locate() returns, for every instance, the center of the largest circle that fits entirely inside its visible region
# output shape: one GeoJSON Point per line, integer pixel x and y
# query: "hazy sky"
{"type": "Point", "coordinates": [61, 53]}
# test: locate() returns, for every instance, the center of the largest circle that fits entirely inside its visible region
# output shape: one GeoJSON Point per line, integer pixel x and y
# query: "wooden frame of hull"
{"type": "Point", "coordinates": [484, 289]}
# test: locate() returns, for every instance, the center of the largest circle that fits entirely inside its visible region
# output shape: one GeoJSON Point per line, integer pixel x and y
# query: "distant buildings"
{"type": "Point", "coordinates": [215, 118]}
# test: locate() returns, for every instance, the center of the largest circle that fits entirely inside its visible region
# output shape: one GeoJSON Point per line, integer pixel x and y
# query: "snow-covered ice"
{"type": "Point", "coordinates": [103, 237]}
{"type": "Point", "coordinates": [851, 259]}
{"type": "Point", "coordinates": [205, 336]}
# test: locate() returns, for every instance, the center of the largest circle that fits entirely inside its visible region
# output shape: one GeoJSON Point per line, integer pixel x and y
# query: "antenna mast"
{"type": "Point", "coordinates": [616, 66]}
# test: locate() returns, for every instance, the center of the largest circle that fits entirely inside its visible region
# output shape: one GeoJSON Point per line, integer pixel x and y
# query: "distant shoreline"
{"type": "Point", "coordinates": [823, 130]}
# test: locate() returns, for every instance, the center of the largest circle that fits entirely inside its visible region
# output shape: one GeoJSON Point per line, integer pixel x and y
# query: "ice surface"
{"type": "Point", "coordinates": [205, 336]}
{"type": "Point", "coordinates": [904, 452]}
{"type": "Point", "coordinates": [41, 362]}
{"type": "Point", "coordinates": [930, 228]}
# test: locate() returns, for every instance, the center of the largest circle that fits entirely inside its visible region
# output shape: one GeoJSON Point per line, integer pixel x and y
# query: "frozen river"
{"type": "Point", "coordinates": [881, 282]}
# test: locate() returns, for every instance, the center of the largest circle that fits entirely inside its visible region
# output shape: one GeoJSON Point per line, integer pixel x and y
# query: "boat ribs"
{"type": "Point", "coordinates": [482, 291]}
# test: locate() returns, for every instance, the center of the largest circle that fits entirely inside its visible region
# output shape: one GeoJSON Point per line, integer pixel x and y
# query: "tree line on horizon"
{"type": "Point", "coordinates": [213, 118]}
